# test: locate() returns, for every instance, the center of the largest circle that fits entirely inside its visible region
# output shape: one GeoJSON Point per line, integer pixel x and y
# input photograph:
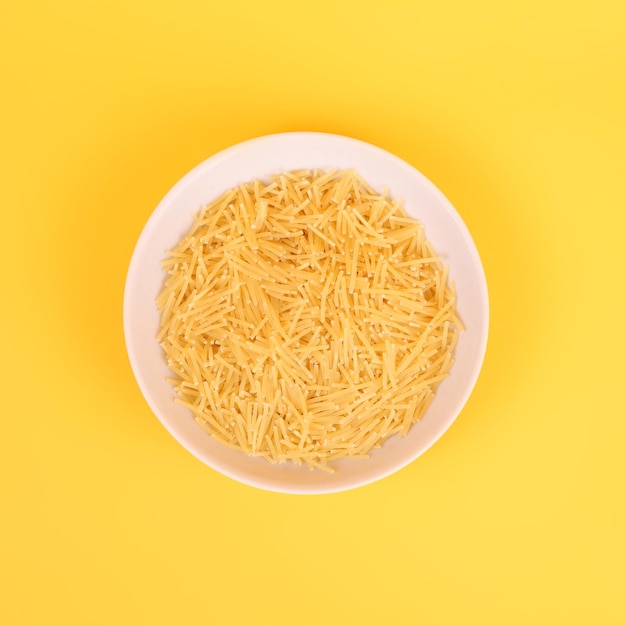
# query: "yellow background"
{"type": "Point", "coordinates": [516, 111]}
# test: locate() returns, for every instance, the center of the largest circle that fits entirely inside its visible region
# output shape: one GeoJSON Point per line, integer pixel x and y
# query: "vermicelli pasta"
{"type": "Point", "coordinates": [306, 319]}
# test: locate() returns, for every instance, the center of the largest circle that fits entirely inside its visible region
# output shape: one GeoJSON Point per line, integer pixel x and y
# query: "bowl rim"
{"type": "Point", "coordinates": [164, 206]}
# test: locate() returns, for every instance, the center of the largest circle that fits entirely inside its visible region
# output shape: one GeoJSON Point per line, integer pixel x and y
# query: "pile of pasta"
{"type": "Point", "coordinates": [306, 318]}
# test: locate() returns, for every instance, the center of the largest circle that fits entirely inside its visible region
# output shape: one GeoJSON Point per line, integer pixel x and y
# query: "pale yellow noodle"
{"type": "Point", "coordinates": [306, 320]}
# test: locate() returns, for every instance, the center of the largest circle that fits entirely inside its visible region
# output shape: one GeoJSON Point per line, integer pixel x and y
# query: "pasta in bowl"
{"type": "Point", "coordinates": [298, 299]}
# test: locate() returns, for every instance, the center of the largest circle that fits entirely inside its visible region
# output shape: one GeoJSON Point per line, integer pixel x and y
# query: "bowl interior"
{"type": "Point", "coordinates": [258, 158]}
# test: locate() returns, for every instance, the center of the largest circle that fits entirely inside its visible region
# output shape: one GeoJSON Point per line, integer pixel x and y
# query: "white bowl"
{"type": "Point", "coordinates": [259, 158]}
